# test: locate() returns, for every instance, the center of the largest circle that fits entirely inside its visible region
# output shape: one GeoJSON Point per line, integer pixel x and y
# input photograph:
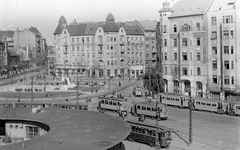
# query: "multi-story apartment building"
{"type": "Point", "coordinates": [184, 46]}
{"type": "Point", "coordinates": [149, 28]}
{"type": "Point", "coordinates": [100, 48]}
{"type": "Point", "coordinates": [224, 46]}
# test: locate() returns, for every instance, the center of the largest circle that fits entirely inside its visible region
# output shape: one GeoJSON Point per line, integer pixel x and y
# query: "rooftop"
{"type": "Point", "coordinates": [190, 8]}
{"type": "Point", "coordinates": [69, 129]}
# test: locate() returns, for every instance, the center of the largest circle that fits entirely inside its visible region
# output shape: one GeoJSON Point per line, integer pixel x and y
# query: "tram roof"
{"type": "Point", "coordinates": [208, 100]}
{"type": "Point", "coordinates": [111, 98]}
{"type": "Point", "coordinates": [172, 94]}
{"type": "Point", "coordinates": [69, 129]}
{"type": "Point", "coordinates": [148, 125]}
{"type": "Point", "coordinates": [152, 104]}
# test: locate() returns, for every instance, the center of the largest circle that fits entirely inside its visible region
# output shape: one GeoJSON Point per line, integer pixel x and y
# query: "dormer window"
{"type": "Point", "coordinates": [175, 28]}
{"type": "Point", "coordinates": [186, 27]}
{"type": "Point", "coordinates": [198, 26]}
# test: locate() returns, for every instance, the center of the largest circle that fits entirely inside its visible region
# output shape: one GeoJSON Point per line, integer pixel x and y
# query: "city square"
{"type": "Point", "coordinates": [152, 75]}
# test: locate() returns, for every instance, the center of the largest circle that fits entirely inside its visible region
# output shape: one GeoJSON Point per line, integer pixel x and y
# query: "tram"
{"type": "Point", "coordinates": [233, 108]}
{"type": "Point", "coordinates": [70, 105]}
{"type": "Point", "coordinates": [147, 133]}
{"type": "Point", "coordinates": [118, 105]}
{"type": "Point", "coordinates": [148, 109]}
{"type": "Point", "coordinates": [171, 99]}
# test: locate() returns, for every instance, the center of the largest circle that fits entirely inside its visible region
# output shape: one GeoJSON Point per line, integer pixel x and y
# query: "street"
{"type": "Point", "coordinates": [210, 130]}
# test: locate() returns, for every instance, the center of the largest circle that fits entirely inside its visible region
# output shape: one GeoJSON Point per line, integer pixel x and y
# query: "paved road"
{"type": "Point", "coordinates": [210, 131]}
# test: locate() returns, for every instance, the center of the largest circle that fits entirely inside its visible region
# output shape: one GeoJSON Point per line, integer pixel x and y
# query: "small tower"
{"type": "Point", "coordinates": [110, 17]}
{"type": "Point", "coordinates": [166, 10]}
{"type": "Point", "coordinates": [62, 21]}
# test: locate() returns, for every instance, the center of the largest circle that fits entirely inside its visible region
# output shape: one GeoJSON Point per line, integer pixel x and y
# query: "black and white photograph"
{"type": "Point", "coordinates": [119, 74]}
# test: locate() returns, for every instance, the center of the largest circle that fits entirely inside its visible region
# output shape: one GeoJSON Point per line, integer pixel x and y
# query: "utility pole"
{"type": "Point", "coordinates": [190, 120]}
{"type": "Point", "coordinates": [12, 72]}
{"type": "Point", "coordinates": [221, 63]}
{"type": "Point", "coordinates": [157, 129]}
{"type": "Point", "coordinates": [179, 63]}
{"type": "Point", "coordinates": [77, 88]}
{"type": "Point", "coordinates": [109, 85]}
{"type": "Point", "coordinates": [44, 85]}
{"type": "Point", "coordinates": [32, 85]}
{"type": "Point", "coordinates": [91, 80]}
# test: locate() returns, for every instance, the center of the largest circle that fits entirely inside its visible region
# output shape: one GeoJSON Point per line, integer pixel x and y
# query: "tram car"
{"type": "Point", "coordinates": [137, 91]}
{"type": "Point", "coordinates": [146, 133]}
{"type": "Point", "coordinates": [148, 109]}
{"type": "Point", "coordinates": [118, 105]}
{"type": "Point", "coordinates": [6, 104]}
{"type": "Point", "coordinates": [211, 105]}
{"type": "Point", "coordinates": [70, 105]}
{"type": "Point", "coordinates": [233, 108]}
{"type": "Point", "coordinates": [33, 104]}
{"type": "Point", "coordinates": [172, 99]}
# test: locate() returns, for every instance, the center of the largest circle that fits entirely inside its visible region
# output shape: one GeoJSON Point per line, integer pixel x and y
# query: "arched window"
{"type": "Point", "coordinates": [186, 27]}
{"type": "Point", "coordinates": [175, 28]}
{"type": "Point", "coordinates": [184, 42]}
{"type": "Point", "coordinates": [175, 83]}
{"type": "Point", "coordinates": [199, 85]}
{"type": "Point", "coordinates": [198, 41]}
{"type": "Point", "coordinates": [100, 39]}
{"type": "Point", "coordinates": [198, 26]}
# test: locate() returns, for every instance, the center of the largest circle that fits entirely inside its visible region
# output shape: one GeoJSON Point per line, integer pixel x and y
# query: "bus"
{"type": "Point", "coordinates": [148, 109]}
{"type": "Point", "coordinates": [147, 133]}
{"type": "Point", "coordinates": [118, 105]}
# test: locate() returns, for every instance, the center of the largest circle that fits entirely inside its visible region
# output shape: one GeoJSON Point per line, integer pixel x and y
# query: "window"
{"type": "Point", "coordinates": [184, 42]}
{"type": "Point", "coordinates": [198, 26]}
{"type": "Point", "coordinates": [214, 50]}
{"type": "Point", "coordinates": [186, 27]}
{"type": "Point", "coordinates": [198, 56]}
{"type": "Point", "coordinates": [198, 41]}
{"type": "Point", "coordinates": [232, 34]}
{"type": "Point", "coordinates": [226, 34]}
{"type": "Point", "coordinates": [32, 132]}
{"type": "Point", "coordinates": [72, 40]}
{"type": "Point", "coordinates": [164, 28]}
{"type": "Point", "coordinates": [232, 80]}
{"type": "Point", "coordinates": [175, 56]}
{"type": "Point", "coordinates": [175, 42]}
{"type": "Point", "coordinates": [191, 56]}
{"type": "Point", "coordinates": [226, 80]}
{"type": "Point", "coordinates": [226, 50]}
{"type": "Point", "coordinates": [226, 64]}
{"type": "Point", "coordinates": [214, 78]}
{"type": "Point", "coordinates": [228, 19]}
{"type": "Point", "coordinates": [232, 65]}
{"type": "Point", "coordinates": [165, 70]}
{"type": "Point", "coordinates": [184, 56]}
{"type": "Point", "coordinates": [165, 56]}
{"type": "Point", "coordinates": [214, 20]}
{"type": "Point", "coordinates": [184, 70]}
{"type": "Point", "coordinates": [214, 35]}
{"type": "Point", "coordinates": [231, 49]}
{"type": "Point", "coordinates": [165, 42]}
{"type": "Point", "coordinates": [214, 64]}
{"type": "Point", "coordinates": [175, 28]}
{"type": "Point", "coordinates": [198, 71]}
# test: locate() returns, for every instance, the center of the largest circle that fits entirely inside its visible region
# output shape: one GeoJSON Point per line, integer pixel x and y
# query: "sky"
{"type": "Point", "coordinates": [44, 14]}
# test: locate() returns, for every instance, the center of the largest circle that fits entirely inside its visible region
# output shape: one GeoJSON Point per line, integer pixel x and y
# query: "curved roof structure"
{"type": "Point", "coordinates": [110, 17]}
{"type": "Point", "coordinates": [62, 20]}
{"type": "Point", "coordinates": [70, 129]}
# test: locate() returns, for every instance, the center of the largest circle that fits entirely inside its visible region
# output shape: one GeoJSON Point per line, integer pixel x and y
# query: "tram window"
{"type": "Point", "coordinates": [106, 102]}
{"type": "Point", "coordinates": [102, 101]}
{"type": "Point", "coordinates": [138, 107]}
{"type": "Point", "coordinates": [143, 108]}
{"type": "Point", "coordinates": [146, 131]}
{"type": "Point", "coordinates": [202, 103]}
{"type": "Point", "coordinates": [150, 132]}
{"type": "Point", "coordinates": [114, 103]}
{"type": "Point", "coordinates": [110, 102]}
{"type": "Point", "coordinates": [118, 103]}
{"type": "Point", "coordinates": [208, 104]}
{"type": "Point", "coordinates": [143, 131]}
{"type": "Point", "coordinates": [238, 107]}
{"type": "Point", "coordinates": [163, 97]}
{"type": "Point", "coordinates": [133, 128]}
{"type": "Point", "coordinates": [148, 108]}
{"type": "Point", "coordinates": [214, 105]}
{"type": "Point", "coordinates": [197, 102]}
{"type": "Point", "coordinates": [153, 109]}
{"type": "Point", "coordinates": [153, 133]}
{"type": "Point", "coordinates": [177, 99]}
